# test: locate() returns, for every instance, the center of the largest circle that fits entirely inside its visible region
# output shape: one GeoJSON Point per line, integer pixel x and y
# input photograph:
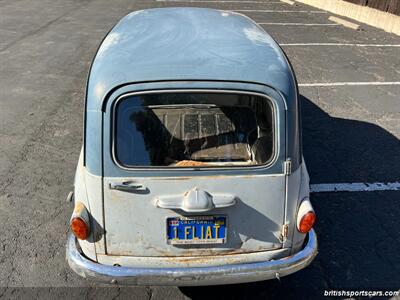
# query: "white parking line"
{"type": "Point", "coordinates": [223, 1]}
{"type": "Point", "coordinates": [290, 2]}
{"type": "Point", "coordinates": [320, 84]}
{"type": "Point", "coordinates": [354, 187]}
{"type": "Point", "coordinates": [301, 24]}
{"type": "Point", "coordinates": [341, 44]}
{"type": "Point", "coordinates": [343, 22]}
{"type": "Point", "coordinates": [280, 11]}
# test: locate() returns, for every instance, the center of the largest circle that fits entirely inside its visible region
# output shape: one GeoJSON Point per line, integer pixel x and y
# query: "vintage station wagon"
{"type": "Point", "coordinates": [191, 171]}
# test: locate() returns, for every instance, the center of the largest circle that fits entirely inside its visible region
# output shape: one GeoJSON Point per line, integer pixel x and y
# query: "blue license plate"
{"type": "Point", "coordinates": [196, 230]}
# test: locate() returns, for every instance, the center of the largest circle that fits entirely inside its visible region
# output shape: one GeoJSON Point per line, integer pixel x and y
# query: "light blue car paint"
{"type": "Point", "coordinates": [197, 47]}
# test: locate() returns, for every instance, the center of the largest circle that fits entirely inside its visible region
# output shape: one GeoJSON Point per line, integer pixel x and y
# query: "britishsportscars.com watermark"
{"type": "Point", "coordinates": [360, 293]}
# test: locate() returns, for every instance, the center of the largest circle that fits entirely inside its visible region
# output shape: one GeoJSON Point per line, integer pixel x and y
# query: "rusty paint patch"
{"type": "Point", "coordinates": [79, 208]}
{"type": "Point", "coordinates": [116, 195]}
{"type": "Point", "coordinates": [198, 253]}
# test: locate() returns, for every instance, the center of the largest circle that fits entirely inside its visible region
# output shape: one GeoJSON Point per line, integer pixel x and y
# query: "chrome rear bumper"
{"type": "Point", "coordinates": [191, 276]}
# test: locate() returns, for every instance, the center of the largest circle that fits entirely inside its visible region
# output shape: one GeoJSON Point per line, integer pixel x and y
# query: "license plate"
{"type": "Point", "coordinates": [196, 230]}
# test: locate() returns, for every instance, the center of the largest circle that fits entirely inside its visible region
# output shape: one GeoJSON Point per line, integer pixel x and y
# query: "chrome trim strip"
{"type": "Point", "coordinates": [191, 276]}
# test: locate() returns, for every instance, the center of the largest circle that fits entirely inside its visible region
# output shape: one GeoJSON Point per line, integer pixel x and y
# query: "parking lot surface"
{"type": "Point", "coordinates": [350, 87]}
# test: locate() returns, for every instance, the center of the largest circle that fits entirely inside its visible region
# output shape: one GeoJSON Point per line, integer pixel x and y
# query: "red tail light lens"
{"type": "Point", "coordinates": [307, 222]}
{"type": "Point", "coordinates": [79, 228]}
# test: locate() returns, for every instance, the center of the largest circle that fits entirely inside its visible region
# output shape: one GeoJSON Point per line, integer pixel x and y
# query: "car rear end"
{"type": "Point", "coordinates": [194, 191]}
{"type": "Point", "coordinates": [191, 171]}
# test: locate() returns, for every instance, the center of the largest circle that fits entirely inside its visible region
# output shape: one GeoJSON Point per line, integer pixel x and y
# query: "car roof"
{"type": "Point", "coordinates": [172, 44]}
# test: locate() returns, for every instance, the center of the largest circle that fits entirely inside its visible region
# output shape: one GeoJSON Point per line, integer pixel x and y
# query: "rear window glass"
{"type": "Point", "coordinates": [193, 130]}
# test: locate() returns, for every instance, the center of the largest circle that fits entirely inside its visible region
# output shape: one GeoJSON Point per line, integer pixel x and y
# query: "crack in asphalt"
{"type": "Point", "coordinates": [36, 31]}
{"type": "Point", "coordinates": [16, 238]}
{"type": "Point", "coordinates": [149, 292]}
{"type": "Point", "coordinates": [118, 293]}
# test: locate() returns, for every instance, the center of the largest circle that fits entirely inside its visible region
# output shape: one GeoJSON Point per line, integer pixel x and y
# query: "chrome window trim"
{"type": "Point", "coordinates": [276, 146]}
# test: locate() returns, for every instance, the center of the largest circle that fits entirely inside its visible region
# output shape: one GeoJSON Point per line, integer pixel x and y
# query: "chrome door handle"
{"type": "Point", "coordinates": [125, 186]}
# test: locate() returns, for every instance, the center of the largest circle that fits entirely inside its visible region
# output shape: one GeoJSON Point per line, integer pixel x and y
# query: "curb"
{"type": "Point", "coordinates": [363, 14]}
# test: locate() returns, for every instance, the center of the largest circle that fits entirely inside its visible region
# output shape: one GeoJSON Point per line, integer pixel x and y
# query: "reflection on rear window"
{"type": "Point", "coordinates": [193, 130]}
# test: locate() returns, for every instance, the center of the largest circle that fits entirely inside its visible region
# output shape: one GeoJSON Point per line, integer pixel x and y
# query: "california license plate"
{"type": "Point", "coordinates": [196, 230]}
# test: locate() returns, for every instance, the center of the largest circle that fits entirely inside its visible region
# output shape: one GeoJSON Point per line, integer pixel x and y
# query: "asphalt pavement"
{"type": "Point", "coordinates": [349, 82]}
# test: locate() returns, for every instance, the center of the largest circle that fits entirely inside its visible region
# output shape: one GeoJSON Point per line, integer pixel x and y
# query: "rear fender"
{"type": "Point", "coordinates": [298, 189]}
{"type": "Point", "coordinates": [80, 198]}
